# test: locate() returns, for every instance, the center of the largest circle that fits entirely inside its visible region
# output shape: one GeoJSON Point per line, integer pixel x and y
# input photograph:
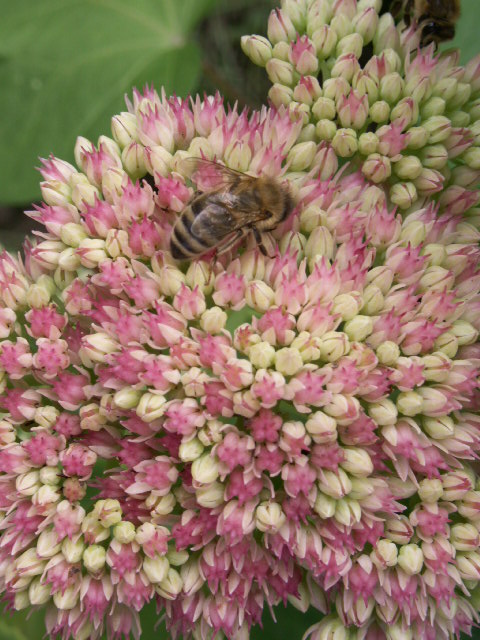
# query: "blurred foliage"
{"type": "Point", "coordinates": [65, 66]}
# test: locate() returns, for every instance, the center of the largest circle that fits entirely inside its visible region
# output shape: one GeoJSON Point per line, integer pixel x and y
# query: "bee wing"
{"type": "Point", "coordinates": [209, 175]}
{"type": "Point", "coordinates": [214, 221]}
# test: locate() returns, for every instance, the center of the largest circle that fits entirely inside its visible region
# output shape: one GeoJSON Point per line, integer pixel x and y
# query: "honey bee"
{"type": "Point", "coordinates": [435, 18]}
{"type": "Point", "coordinates": [218, 217]}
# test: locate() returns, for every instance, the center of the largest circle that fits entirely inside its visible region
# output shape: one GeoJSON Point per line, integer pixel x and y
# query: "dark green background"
{"type": "Point", "coordinates": [64, 68]}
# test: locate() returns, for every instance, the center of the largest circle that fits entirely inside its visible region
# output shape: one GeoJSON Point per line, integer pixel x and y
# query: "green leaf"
{"type": "Point", "coordinates": [65, 66]}
{"type": "Point", "coordinates": [466, 37]}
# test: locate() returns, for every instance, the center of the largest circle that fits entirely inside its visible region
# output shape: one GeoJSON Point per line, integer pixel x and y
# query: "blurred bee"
{"type": "Point", "coordinates": [221, 215]}
{"type": "Point", "coordinates": [435, 18]}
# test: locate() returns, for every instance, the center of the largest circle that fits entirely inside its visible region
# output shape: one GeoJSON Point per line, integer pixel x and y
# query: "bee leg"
{"type": "Point", "coordinates": [407, 16]}
{"type": "Point", "coordinates": [258, 239]}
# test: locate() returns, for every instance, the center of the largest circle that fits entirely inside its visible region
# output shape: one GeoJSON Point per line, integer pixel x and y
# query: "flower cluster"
{"type": "Point", "coordinates": [241, 430]}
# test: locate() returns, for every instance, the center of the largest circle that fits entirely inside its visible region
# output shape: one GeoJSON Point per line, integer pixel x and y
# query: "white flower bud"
{"type": "Point", "coordinates": [336, 485]}
{"type": "Point", "coordinates": [288, 361]}
{"type": "Point", "coordinates": [261, 355]}
{"type": "Point", "coordinates": [94, 558]}
{"type": "Point", "coordinates": [210, 495]}
{"type": "Point", "coordinates": [50, 475]}
{"type": "Point", "coordinates": [205, 469]}
{"type": "Point", "coordinates": [156, 568]}
{"type": "Point", "coordinates": [213, 320]}
{"type": "Point", "coordinates": [39, 592]}
{"type": "Point", "coordinates": [28, 483]}
{"type": "Point", "coordinates": [321, 427]}
{"type": "Point", "coordinates": [66, 599]}
{"type": "Point", "coordinates": [357, 462]}
{"type": "Point", "coordinates": [324, 505]}
{"type": "Point", "coordinates": [358, 328]}
{"type": "Point", "coordinates": [430, 490]}
{"type": "Point", "coordinates": [73, 550]}
{"type": "Point", "coordinates": [383, 412]}
{"type": "Point", "coordinates": [151, 406]}
{"type": "Point", "coordinates": [47, 544]}
{"type": "Point", "coordinates": [388, 353]}
{"type": "Point", "coordinates": [124, 532]}
{"type": "Point", "coordinates": [347, 305]}
{"type": "Point", "coordinates": [410, 403]}
{"type": "Point", "coordinates": [269, 517]}
{"type": "Point", "coordinates": [191, 450]}
{"type": "Point", "coordinates": [127, 398]}
{"type": "Point", "coordinates": [410, 559]}
{"type": "Point", "coordinates": [171, 586]}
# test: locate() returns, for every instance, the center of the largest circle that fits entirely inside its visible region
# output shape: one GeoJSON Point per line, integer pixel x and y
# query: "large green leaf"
{"type": "Point", "coordinates": [65, 66]}
{"type": "Point", "coordinates": [467, 32]}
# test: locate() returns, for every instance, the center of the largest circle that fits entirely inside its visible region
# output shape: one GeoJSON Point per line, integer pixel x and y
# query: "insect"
{"type": "Point", "coordinates": [435, 18]}
{"type": "Point", "coordinates": [237, 205]}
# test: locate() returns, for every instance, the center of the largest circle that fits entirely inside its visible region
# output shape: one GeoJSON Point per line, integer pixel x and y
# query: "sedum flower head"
{"type": "Point", "coordinates": [225, 435]}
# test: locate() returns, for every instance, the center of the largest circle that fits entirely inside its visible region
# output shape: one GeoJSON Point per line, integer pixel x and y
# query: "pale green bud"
{"type": "Point", "coordinates": [365, 23]}
{"type": "Point", "coordinates": [336, 88]}
{"type": "Point", "coordinates": [447, 343]}
{"type": "Point", "coordinates": [446, 88]}
{"type": "Point", "coordinates": [435, 253]}
{"type": "Point", "coordinates": [398, 631]}
{"type": "Point", "coordinates": [347, 305]}
{"type": "Point", "coordinates": [39, 592]}
{"type": "Point", "coordinates": [73, 550]}
{"type": "Point", "coordinates": [434, 106]}
{"type": "Point", "coordinates": [388, 353]}
{"type": "Point", "coordinates": [213, 320]}
{"type": "Point", "coordinates": [330, 628]}
{"type": "Point", "coordinates": [347, 512]}
{"type": "Point", "coordinates": [356, 462]}
{"type": "Point", "coordinates": [127, 398]}
{"type": "Point", "coordinates": [269, 517]}
{"type": "Point", "coordinates": [464, 536]}
{"type": "Point", "coordinates": [49, 475]}
{"type": "Point", "coordinates": [282, 51]}
{"type": "Point", "coordinates": [430, 490]}
{"type": "Point", "coordinates": [417, 137]}
{"type": "Point", "coordinates": [301, 156]}
{"type": "Point", "coordinates": [159, 160]}
{"type": "Point", "coordinates": [94, 558]}
{"type": "Point", "coordinates": [171, 586]}
{"type": "Point", "coordinates": [408, 167]}
{"type": "Point", "coordinates": [385, 554]}
{"type": "Point", "coordinates": [413, 233]}
{"type": "Point", "coordinates": [335, 484]}
{"type": "Point", "coordinates": [190, 450]}
{"type": "Point", "coordinates": [472, 157]}
{"type": "Point", "coordinates": [379, 111]}
{"type": "Point", "coordinates": [324, 108]}
{"type": "Point", "coordinates": [384, 412]}
{"type": "Point", "coordinates": [391, 87]}
{"type": "Point", "coordinates": [405, 110]}
{"type": "Point", "coordinates": [47, 545]}
{"type": "Point", "coordinates": [438, 128]}
{"type": "Point", "coordinates": [307, 93]}
{"type": "Point", "coordinates": [341, 21]}
{"type": "Point", "coordinates": [377, 168]}
{"type": "Point", "coordinates": [261, 355]}
{"type": "Point", "coordinates": [210, 496]}
{"type": "Point", "coordinates": [434, 156]}
{"type": "Point", "coordinates": [280, 71]}
{"type": "Point", "coordinates": [124, 128]}
{"type": "Point", "coordinates": [373, 300]}
{"type": "Point", "coordinates": [259, 295]}
{"type": "Point", "coordinates": [326, 130]}
{"type": "Point", "coordinates": [334, 345]}
{"type": "Point", "coordinates": [280, 27]}
{"type": "Point", "coordinates": [403, 194]}
{"type": "Point", "coordinates": [325, 39]}
{"type": "Point", "coordinates": [288, 361]}
{"type": "Point", "coordinates": [320, 243]}
{"type": "Point", "coordinates": [358, 328]}
{"type": "Point", "coordinates": [28, 483]}
{"type": "Point", "coordinates": [124, 532]}
{"type": "Point", "coordinates": [409, 403]}
{"type": "Point", "coordinates": [352, 43]}
{"type": "Point", "coordinates": [436, 367]}
{"type": "Point", "coordinates": [345, 142]}
{"type": "Point", "coordinates": [151, 406]}
{"type": "Point", "coordinates": [156, 568]}
{"type": "Point", "coordinates": [367, 143]}
{"type": "Point", "coordinates": [324, 505]}
{"type": "Point", "coordinates": [410, 559]}
{"type": "Point", "coordinates": [205, 469]}
{"type": "Point", "coordinates": [133, 160]}
{"type": "Point", "coordinates": [464, 332]}
{"type": "Point", "coordinates": [321, 427]}
{"type": "Point", "coordinates": [429, 182]}
{"type": "Point", "coordinates": [72, 234]}
{"type": "Point", "coordinates": [345, 67]}
{"type": "Point", "coordinates": [257, 48]}
{"type": "Point", "coordinates": [199, 274]}
{"type": "Point", "coordinates": [439, 428]}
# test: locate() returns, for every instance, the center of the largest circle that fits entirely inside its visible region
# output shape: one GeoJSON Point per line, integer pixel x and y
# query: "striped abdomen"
{"type": "Point", "coordinates": [202, 225]}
